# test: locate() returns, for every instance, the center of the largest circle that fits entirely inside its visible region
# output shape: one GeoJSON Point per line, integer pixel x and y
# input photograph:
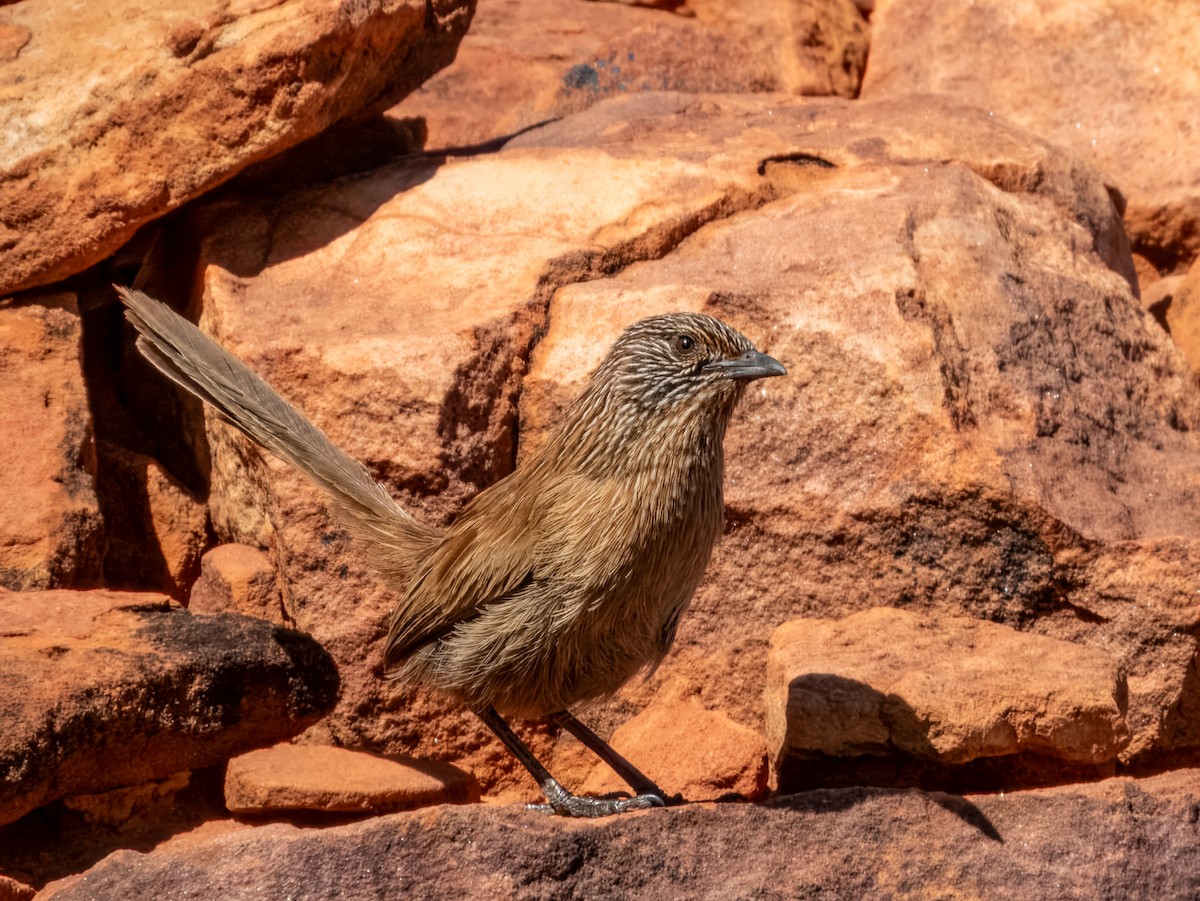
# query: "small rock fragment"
{"type": "Point", "coordinates": [237, 578]}
{"type": "Point", "coordinates": [323, 778]}
{"type": "Point", "coordinates": [685, 748]}
{"type": "Point", "coordinates": [932, 695]}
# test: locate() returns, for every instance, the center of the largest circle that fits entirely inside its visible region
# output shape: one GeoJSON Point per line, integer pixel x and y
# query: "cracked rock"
{"type": "Point", "coordinates": [104, 689]}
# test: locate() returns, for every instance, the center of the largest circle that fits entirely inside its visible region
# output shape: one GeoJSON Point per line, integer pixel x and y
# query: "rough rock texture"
{"type": "Point", "coordinates": [1122, 839]}
{"type": "Point", "coordinates": [525, 61]}
{"type": "Point", "coordinates": [323, 778]}
{"type": "Point", "coordinates": [236, 578]}
{"type": "Point", "coordinates": [117, 806]}
{"type": "Point", "coordinates": [50, 524]}
{"type": "Point", "coordinates": [156, 527]}
{"type": "Point", "coordinates": [1182, 315]}
{"type": "Point", "coordinates": [1116, 81]}
{"type": "Point", "coordinates": [104, 689]}
{"type": "Point", "coordinates": [980, 419]}
{"type": "Point", "coordinates": [887, 695]}
{"type": "Point", "coordinates": [1157, 300]}
{"type": "Point", "coordinates": [819, 47]}
{"type": "Point", "coordinates": [114, 118]}
{"type": "Point", "coordinates": [72, 835]}
{"type": "Point", "coordinates": [12, 890]}
{"type": "Point", "coordinates": [701, 754]}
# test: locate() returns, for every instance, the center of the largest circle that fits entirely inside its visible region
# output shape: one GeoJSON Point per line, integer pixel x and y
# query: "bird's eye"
{"type": "Point", "coordinates": [683, 343]}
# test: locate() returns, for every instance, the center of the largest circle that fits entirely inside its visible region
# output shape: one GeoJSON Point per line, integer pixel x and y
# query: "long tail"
{"type": "Point", "coordinates": [197, 363]}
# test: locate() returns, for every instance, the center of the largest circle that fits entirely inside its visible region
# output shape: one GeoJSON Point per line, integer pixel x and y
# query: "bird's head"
{"type": "Point", "coordinates": [680, 361]}
{"type": "Point", "coordinates": [667, 383]}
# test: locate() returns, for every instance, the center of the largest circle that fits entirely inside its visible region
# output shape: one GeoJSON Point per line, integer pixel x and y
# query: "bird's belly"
{"type": "Point", "coordinates": [601, 604]}
{"type": "Point", "coordinates": [587, 656]}
{"type": "Point", "coordinates": [560, 643]}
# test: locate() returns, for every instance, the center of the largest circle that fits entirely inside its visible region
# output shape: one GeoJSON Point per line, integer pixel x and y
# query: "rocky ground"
{"type": "Point", "coordinates": [948, 644]}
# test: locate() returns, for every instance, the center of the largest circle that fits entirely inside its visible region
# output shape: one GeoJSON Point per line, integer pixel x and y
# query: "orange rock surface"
{"type": "Point", "coordinates": [971, 508]}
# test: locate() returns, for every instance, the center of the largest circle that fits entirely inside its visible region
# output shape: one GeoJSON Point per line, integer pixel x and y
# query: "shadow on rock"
{"type": "Point", "coordinates": [853, 734]}
{"type": "Point", "coordinates": [830, 800]}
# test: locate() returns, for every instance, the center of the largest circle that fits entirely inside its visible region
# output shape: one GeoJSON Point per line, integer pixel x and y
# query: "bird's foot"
{"type": "Point", "coordinates": [562, 802]}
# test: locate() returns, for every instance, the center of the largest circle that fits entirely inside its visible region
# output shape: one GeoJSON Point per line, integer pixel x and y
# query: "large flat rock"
{"type": "Point", "coordinates": [1124, 839]}
{"type": "Point", "coordinates": [1115, 81]}
{"type": "Point", "coordinates": [979, 418]}
{"type": "Point", "coordinates": [104, 689]}
{"type": "Point", "coordinates": [527, 61]}
{"type": "Point", "coordinates": [112, 116]}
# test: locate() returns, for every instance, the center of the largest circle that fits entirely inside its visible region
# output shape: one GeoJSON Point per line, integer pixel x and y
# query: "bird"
{"type": "Point", "coordinates": [558, 583]}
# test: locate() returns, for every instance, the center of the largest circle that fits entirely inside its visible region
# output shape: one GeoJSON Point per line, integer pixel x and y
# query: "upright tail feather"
{"type": "Point", "coordinates": [194, 361]}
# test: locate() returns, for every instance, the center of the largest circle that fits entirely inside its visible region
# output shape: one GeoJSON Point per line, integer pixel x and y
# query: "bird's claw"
{"type": "Point", "coordinates": [576, 806]}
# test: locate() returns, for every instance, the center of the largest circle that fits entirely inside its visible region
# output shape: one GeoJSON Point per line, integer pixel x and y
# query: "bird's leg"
{"type": "Point", "coordinates": [559, 800]}
{"type": "Point", "coordinates": [632, 776]}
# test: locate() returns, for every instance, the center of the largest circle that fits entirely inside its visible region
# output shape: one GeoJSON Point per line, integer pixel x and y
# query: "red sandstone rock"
{"type": "Point", "coordinates": [156, 528]}
{"type": "Point", "coordinates": [50, 525]}
{"type": "Point", "coordinates": [1158, 297]}
{"type": "Point", "coordinates": [819, 46]}
{"type": "Point", "coordinates": [700, 754]}
{"type": "Point", "coordinates": [322, 778]}
{"type": "Point", "coordinates": [116, 114]}
{"type": "Point", "coordinates": [1123, 839]}
{"type": "Point", "coordinates": [236, 578]}
{"type": "Point", "coordinates": [966, 426]}
{"type": "Point", "coordinates": [891, 691]}
{"type": "Point", "coordinates": [1115, 81]}
{"type": "Point", "coordinates": [12, 890]}
{"type": "Point", "coordinates": [113, 809]}
{"type": "Point", "coordinates": [951, 293]}
{"type": "Point", "coordinates": [1182, 315]}
{"type": "Point", "coordinates": [72, 835]}
{"type": "Point", "coordinates": [106, 689]}
{"type": "Point", "coordinates": [525, 61]}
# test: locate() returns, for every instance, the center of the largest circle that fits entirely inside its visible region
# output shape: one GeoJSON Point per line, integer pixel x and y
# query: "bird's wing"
{"type": "Point", "coordinates": [486, 555]}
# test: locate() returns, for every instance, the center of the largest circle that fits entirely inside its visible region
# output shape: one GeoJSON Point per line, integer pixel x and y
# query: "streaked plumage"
{"type": "Point", "coordinates": [594, 547]}
{"type": "Point", "coordinates": [561, 581]}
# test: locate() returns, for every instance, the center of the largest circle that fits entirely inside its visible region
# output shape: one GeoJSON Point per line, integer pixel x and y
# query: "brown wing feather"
{"type": "Point", "coordinates": [470, 568]}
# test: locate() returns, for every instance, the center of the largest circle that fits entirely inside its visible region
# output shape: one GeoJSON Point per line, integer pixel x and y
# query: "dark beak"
{"type": "Point", "coordinates": [749, 366]}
